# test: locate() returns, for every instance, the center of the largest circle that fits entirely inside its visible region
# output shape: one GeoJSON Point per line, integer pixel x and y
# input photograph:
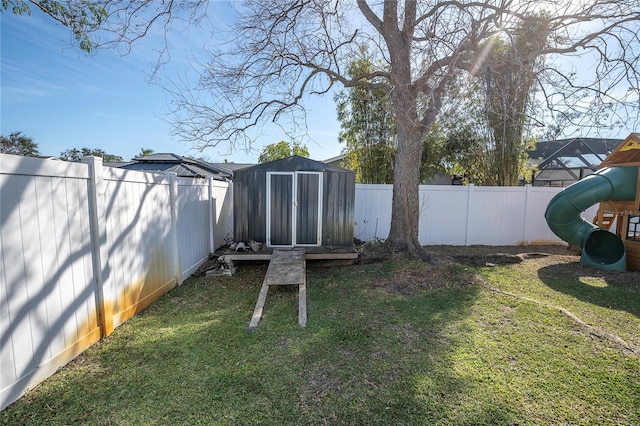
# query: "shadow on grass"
{"type": "Point", "coordinates": [621, 290]}
{"type": "Point", "coordinates": [366, 356]}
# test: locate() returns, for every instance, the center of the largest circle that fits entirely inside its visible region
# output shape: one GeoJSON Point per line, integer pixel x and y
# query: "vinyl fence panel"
{"type": "Point", "coordinates": [464, 215]}
{"type": "Point", "coordinates": [496, 215]}
{"type": "Point", "coordinates": [193, 220]}
{"type": "Point", "coordinates": [440, 205]}
{"type": "Point", "coordinates": [142, 262]}
{"type": "Point", "coordinates": [221, 213]}
{"type": "Point", "coordinates": [84, 247]}
{"type": "Point", "coordinates": [372, 211]}
{"type": "Point", "coordinates": [48, 307]}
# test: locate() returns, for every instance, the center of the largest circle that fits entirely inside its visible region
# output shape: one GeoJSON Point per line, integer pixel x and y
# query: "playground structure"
{"type": "Point", "coordinates": [616, 187]}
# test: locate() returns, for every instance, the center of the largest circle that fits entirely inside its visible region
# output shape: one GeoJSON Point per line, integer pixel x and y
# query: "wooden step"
{"type": "Point", "coordinates": [286, 267]}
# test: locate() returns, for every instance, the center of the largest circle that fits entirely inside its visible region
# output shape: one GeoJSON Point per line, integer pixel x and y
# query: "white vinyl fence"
{"type": "Point", "coordinates": [84, 247]}
{"type": "Point", "coordinates": [464, 215]}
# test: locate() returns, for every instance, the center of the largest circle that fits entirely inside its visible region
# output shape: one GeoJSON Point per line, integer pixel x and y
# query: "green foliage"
{"type": "Point", "coordinates": [145, 151]}
{"type": "Point", "coordinates": [459, 143]}
{"type": "Point", "coordinates": [509, 81]}
{"type": "Point", "coordinates": [480, 132]}
{"type": "Point", "coordinates": [18, 144]}
{"type": "Point", "coordinates": [372, 164]}
{"type": "Point", "coordinates": [82, 17]}
{"type": "Point", "coordinates": [368, 125]}
{"type": "Point", "coordinates": [464, 149]}
{"type": "Point", "coordinates": [76, 155]}
{"type": "Point", "coordinates": [282, 149]}
{"type": "Point", "coordinates": [443, 150]}
{"type": "Point", "coordinates": [18, 7]}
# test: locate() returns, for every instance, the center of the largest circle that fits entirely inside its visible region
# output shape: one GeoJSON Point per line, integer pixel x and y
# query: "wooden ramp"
{"type": "Point", "coordinates": [286, 267]}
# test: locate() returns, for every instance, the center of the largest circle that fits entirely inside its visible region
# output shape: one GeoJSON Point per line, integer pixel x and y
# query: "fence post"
{"type": "Point", "coordinates": [212, 216]}
{"type": "Point", "coordinates": [229, 211]}
{"type": "Point", "coordinates": [527, 192]}
{"type": "Point", "coordinates": [466, 225]}
{"type": "Point", "coordinates": [174, 207]}
{"type": "Point", "coordinates": [99, 254]}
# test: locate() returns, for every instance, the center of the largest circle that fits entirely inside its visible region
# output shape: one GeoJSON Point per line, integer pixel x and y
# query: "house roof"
{"type": "Point", "coordinates": [119, 164]}
{"type": "Point", "coordinates": [162, 157]}
{"type": "Point", "coordinates": [232, 166]}
{"type": "Point", "coordinates": [336, 158]}
{"type": "Point", "coordinates": [296, 163]}
{"type": "Point", "coordinates": [182, 166]}
{"type": "Point", "coordinates": [46, 157]}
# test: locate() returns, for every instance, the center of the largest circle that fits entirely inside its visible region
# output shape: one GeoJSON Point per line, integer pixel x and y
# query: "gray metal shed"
{"type": "Point", "coordinates": [294, 202]}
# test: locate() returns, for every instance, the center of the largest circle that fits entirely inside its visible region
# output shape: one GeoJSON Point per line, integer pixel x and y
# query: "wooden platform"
{"type": "Point", "coordinates": [309, 255]}
{"type": "Point", "coordinates": [286, 267]}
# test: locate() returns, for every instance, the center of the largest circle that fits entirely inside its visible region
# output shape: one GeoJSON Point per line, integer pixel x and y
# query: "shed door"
{"type": "Point", "coordinates": [294, 209]}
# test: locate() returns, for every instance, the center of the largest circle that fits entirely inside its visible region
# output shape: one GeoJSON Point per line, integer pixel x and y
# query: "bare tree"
{"type": "Point", "coordinates": [285, 51]}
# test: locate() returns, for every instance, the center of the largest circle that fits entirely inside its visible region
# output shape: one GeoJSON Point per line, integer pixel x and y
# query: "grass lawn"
{"type": "Point", "coordinates": [543, 341]}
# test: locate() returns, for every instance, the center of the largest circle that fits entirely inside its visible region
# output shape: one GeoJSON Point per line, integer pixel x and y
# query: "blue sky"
{"type": "Point", "coordinates": [64, 99]}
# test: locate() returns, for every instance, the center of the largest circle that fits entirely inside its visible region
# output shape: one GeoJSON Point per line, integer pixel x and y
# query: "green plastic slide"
{"type": "Point", "coordinates": [600, 248]}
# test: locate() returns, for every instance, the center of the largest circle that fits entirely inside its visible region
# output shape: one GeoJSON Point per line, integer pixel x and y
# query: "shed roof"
{"type": "Point", "coordinates": [294, 163]}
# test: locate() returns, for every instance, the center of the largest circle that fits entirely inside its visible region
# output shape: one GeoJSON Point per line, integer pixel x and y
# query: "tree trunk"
{"type": "Point", "coordinates": [406, 179]}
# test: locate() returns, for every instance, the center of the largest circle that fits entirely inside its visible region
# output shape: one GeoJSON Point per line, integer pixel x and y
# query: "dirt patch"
{"type": "Point", "coordinates": [469, 255]}
{"type": "Point", "coordinates": [374, 253]}
{"type": "Point", "coordinates": [505, 255]}
{"type": "Point", "coordinates": [414, 277]}
{"type": "Point", "coordinates": [485, 250]}
{"type": "Point", "coordinates": [453, 266]}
